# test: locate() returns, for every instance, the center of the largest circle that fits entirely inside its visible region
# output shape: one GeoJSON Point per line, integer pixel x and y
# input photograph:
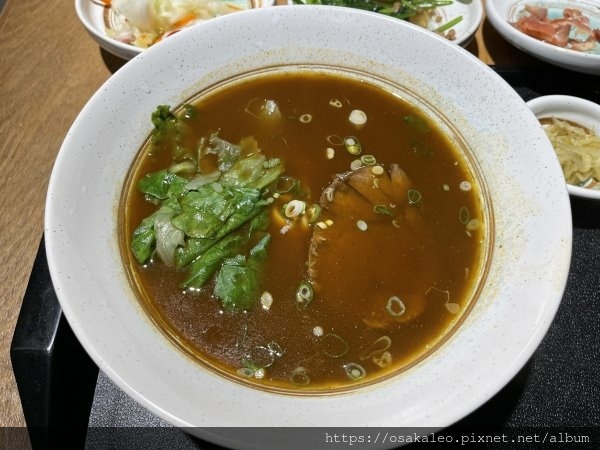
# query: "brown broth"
{"type": "Point", "coordinates": [360, 270]}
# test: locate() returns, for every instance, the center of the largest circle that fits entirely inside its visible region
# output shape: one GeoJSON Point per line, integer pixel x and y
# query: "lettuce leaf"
{"type": "Point", "coordinates": [238, 280]}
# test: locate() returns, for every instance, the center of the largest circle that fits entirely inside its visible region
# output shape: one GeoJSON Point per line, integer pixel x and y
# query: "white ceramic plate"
{"type": "Point", "coordinates": [95, 18]}
{"type": "Point", "coordinates": [574, 109]}
{"type": "Point", "coordinates": [501, 12]}
{"type": "Point", "coordinates": [531, 221]}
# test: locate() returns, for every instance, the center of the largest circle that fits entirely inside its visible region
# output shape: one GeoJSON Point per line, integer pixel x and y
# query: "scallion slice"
{"type": "Point", "coordinates": [304, 295]}
{"type": "Point", "coordinates": [334, 346]}
{"type": "Point", "coordinates": [352, 145]}
{"type": "Point", "coordinates": [414, 197]}
{"type": "Point", "coordinates": [355, 371]}
{"type": "Point", "coordinates": [383, 210]}
{"type": "Point", "coordinates": [299, 376]}
{"type": "Point", "coordinates": [395, 306]}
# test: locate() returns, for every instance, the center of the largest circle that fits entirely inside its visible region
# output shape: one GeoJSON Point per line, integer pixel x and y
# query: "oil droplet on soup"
{"type": "Point", "coordinates": [280, 242]}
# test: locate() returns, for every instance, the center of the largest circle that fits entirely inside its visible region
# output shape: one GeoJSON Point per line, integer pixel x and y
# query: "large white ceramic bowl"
{"type": "Point", "coordinates": [530, 253]}
{"type": "Point", "coordinates": [576, 110]}
{"type": "Point", "coordinates": [501, 13]}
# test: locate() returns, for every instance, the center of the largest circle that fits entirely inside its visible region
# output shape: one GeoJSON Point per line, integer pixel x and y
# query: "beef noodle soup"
{"type": "Point", "coordinates": [303, 231]}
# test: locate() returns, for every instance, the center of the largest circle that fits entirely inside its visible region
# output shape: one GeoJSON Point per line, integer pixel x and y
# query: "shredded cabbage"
{"type": "Point", "coordinates": [577, 148]}
{"type": "Point", "coordinates": [144, 22]}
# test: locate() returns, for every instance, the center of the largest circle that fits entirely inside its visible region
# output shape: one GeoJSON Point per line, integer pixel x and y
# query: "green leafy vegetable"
{"type": "Point", "coordinates": [144, 240]}
{"type": "Point", "coordinates": [400, 9]}
{"type": "Point", "coordinates": [255, 171]}
{"type": "Point", "coordinates": [145, 236]}
{"type": "Point", "coordinates": [238, 281]}
{"type": "Point", "coordinates": [165, 123]}
{"type": "Point", "coordinates": [161, 185]}
{"type": "Point", "coordinates": [207, 264]}
{"type": "Point", "coordinates": [206, 221]}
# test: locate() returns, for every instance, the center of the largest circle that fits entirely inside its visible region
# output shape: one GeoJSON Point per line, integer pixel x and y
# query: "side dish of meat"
{"type": "Point", "coordinates": [573, 30]}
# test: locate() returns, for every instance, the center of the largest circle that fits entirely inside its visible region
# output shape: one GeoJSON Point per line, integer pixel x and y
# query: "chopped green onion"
{"type": "Point", "coordinates": [334, 346]}
{"type": "Point", "coordinates": [313, 213]}
{"type": "Point", "coordinates": [334, 139]}
{"type": "Point", "coordinates": [294, 208]}
{"type": "Point", "coordinates": [383, 210]}
{"type": "Point", "coordinates": [414, 197]}
{"type": "Point", "coordinates": [275, 349]}
{"type": "Point", "coordinates": [246, 372]}
{"type": "Point", "coordinates": [465, 186]}
{"type": "Point", "coordinates": [305, 118]}
{"type": "Point", "coordinates": [352, 145]}
{"type": "Point", "coordinates": [355, 371]}
{"type": "Point", "coordinates": [356, 164]}
{"type": "Point", "coordinates": [379, 346]}
{"type": "Point", "coordinates": [383, 360]}
{"type": "Point", "coordinates": [395, 306]}
{"type": "Point", "coordinates": [304, 295]}
{"type": "Point", "coordinates": [449, 25]}
{"type": "Point", "coordinates": [357, 117]}
{"type": "Point", "coordinates": [473, 224]}
{"type": "Point", "coordinates": [299, 376]}
{"type": "Point", "coordinates": [259, 357]}
{"type": "Point", "coordinates": [377, 170]}
{"type": "Point", "coordinates": [368, 160]}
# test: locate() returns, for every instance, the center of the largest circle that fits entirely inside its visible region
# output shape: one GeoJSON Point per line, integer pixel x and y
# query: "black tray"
{"type": "Point", "coordinates": [558, 387]}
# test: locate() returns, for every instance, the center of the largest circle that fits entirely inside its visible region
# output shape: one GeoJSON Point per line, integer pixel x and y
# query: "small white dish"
{"type": "Point", "coordinates": [576, 110]}
{"type": "Point", "coordinates": [501, 13]}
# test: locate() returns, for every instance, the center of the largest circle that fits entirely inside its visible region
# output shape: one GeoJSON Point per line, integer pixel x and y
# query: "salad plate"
{"type": "Point", "coordinates": [111, 30]}
{"type": "Point", "coordinates": [504, 14]}
{"type": "Point", "coordinates": [458, 21]}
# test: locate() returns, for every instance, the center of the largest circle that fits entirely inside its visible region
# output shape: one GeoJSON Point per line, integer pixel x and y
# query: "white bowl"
{"type": "Point", "coordinates": [522, 290]}
{"type": "Point", "coordinates": [95, 17]}
{"type": "Point", "coordinates": [501, 12]}
{"type": "Point", "coordinates": [574, 109]}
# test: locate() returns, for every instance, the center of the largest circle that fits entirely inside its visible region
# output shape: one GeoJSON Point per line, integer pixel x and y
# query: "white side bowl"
{"type": "Point", "coordinates": [501, 12]}
{"type": "Point", "coordinates": [574, 109]}
{"type": "Point", "coordinates": [94, 17]}
{"type": "Point", "coordinates": [530, 252]}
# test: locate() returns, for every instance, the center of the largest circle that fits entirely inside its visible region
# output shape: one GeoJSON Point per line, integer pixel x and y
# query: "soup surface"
{"type": "Point", "coordinates": [303, 232]}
